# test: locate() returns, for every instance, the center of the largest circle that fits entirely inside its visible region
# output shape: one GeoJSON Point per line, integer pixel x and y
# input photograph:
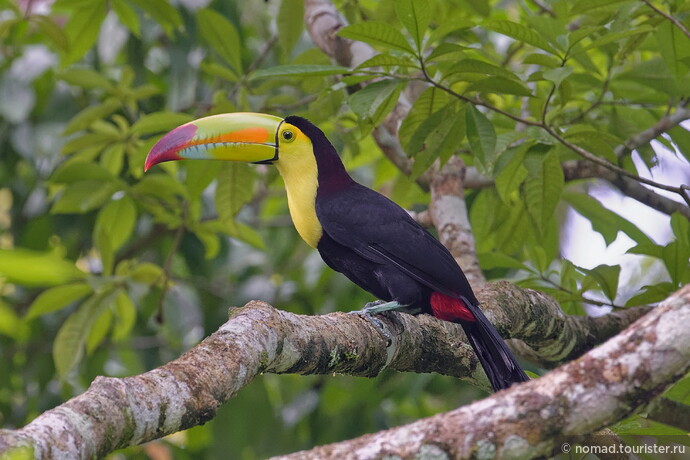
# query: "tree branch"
{"type": "Point", "coordinates": [533, 419]}
{"type": "Point", "coordinates": [118, 412]}
{"type": "Point", "coordinates": [449, 215]}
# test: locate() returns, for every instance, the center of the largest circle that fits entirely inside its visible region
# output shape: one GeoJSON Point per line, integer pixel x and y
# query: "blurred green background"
{"type": "Point", "coordinates": [92, 250]}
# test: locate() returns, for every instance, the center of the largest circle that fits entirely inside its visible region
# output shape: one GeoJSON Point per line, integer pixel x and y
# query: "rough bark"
{"type": "Point", "coordinates": [533, 419]}
{"type": "Point", "coordinates": [449, 215]}
{"type": "Point", "coordinates": [118, 412]}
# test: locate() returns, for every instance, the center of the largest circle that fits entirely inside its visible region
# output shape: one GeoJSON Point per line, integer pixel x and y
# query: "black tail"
{"type": "Point", "coordinates": [498, 361]}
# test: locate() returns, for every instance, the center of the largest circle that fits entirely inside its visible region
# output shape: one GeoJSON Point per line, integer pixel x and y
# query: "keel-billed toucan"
{"type": "Point", "coordinates": [357, 231]}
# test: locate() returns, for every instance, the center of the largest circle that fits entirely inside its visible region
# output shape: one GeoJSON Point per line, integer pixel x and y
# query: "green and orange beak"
{"type": "Point", "coordinates": [242, 136]}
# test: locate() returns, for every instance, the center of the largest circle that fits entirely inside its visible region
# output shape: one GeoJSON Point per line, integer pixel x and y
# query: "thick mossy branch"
{"type": "Point", "coordinates": [532, 419]}
{"type": "Point", "coordinates": [536, 319]}
{"type": "Point", "coordinates": [118, 412]}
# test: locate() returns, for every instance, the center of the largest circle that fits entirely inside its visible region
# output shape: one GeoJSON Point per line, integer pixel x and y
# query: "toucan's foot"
{"type": "Point", "coordinates": [380, 306]}
{"type": "Point", "coordinates": [367, 314]}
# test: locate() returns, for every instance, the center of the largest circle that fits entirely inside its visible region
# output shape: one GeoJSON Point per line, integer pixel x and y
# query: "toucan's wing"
{"type": "Point", "coordinates": [381, 231]}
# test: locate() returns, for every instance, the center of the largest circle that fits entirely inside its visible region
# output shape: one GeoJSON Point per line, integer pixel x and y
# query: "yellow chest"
{"type": "Point", "coordinates": [301, 182]}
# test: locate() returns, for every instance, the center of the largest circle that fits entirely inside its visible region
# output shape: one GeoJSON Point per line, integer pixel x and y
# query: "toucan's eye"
{"type": "Point", "coordinates": [288, 136]}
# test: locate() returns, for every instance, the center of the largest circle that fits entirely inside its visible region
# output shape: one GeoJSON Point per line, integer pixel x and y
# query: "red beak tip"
{"type": "Point", "coordinates": [167, 147]}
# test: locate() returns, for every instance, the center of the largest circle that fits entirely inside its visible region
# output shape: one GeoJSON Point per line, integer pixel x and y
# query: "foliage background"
{"type": "Point", "coordinates": [92, 249]}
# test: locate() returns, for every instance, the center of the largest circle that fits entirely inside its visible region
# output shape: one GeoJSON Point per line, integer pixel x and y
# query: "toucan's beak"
{"type": "Point", "coordinates": [242, 136]}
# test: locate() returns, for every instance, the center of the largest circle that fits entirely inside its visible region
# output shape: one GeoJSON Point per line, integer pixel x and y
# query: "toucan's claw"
{"type": "Point", "coordinates": [366, 314]}
{"type": "Point", "coordinates": [381, 306]}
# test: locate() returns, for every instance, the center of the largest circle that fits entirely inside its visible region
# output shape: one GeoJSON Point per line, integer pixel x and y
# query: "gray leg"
{"type": "Point", "coordinates": [380, 306]}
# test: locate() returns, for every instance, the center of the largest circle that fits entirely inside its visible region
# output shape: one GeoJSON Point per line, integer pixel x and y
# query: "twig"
{"type": "Point", "coordinates": [673, 20]}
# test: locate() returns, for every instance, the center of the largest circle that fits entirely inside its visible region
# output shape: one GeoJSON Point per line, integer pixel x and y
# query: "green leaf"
{"type": "Point", "coordinates": [160, 186]}
{"type": "Point", "coordinates": [648, 249]}
{"type": "Point", "coordinates": [542, 59]}
{"type": "Point", "coordinates": [480, 135]}
{"type": "Point", "coordinates": [235, 189]}
{"type": "Point", "coordinates": [598, 141]}
{"type": "Point", "coordinates": [674, 47]}
{"type": "Point", "coordinates": [482, 7]}
{"type": "Point", "coordinates": [388, 60]}
{"type": "Point", "coordinates": [496, 259]}
{"type": "Point", "coordinates": [199, 175]}
{"type": "Point", "coordinates": [117, 219]}
{"type": "Point", "coordinates": [606, 277]}
{"type": "Point", "coordinates": [221, 36]}
{"type": "Point", "coordinates": [499, 85]}
{"type": "Point", "coordinates": [558, 74]}
{"type": "Point", "coordinates": [443, 139]}
{"type": "Point", "coordinates": [57, 298]}
{"type": "Point", "coordinates": [206, 233]}
{"type": "Point", "coordinates": [450, 52]}
{"type": "Point", "coordinates": [415, 16]}
{"type": "Point", "coordinates": [12, 326]}
{"type": "Point", "coordinates": [411, 133]}
{"type": "Point", "coordinates": [300, 70]}
{"type": "Point", "coordinates": [242, 232]}
{"type": "Point", "coordinates": [68, 348]}
{"type": "Point", "coordinates": [113, 158]}
{"type": "Point", "coordinates": [218, 70]}
{"type": "Point", "coordinates": [147, 273]}
{"type": "Point", "coordinates": [157, 122]}
{"type": "Point", "coordinates": [99, 330]}
{"type": "Point", "coordinates": [652, 73]}
{"type": "Point", "coordinates": [86, 117]}
{"type": "Point", "coordinates": [89, 141]}
{"type": "Point", "coordinates": [611, 37]}
{"type": "Point", "coordinates": [34, 268]}
{"type": "Point", "coordinates": [86, 78]}
{"type": "Point", "coordinates": [127, 16]}
{"type": "Point", "coordinates": [417, 143]}
{"type": "Point", "coordinates": [652, 294]}
{"type": "Point", "coordinates": [373, 102]}
{"type": "Point", "coordinates": [76, 171]}
{"type": "Point", "coordinates": [377, 33]}
{"type": "Point", "coordinates": [512, 174]}
{"type": "Point", "coordinates": [681, 228]}
{"type": "Point", "coordinates": [125, 313]}
{"type": "Point", "coordinates": [519, 32]}
{"type": "Point", "coordinates": [676, 257]}
{"type": "Point", "coordinates": [542, 188]}
{"type": "Point", "coordinates": [83, 196]}
{"type": "Point", "coordinates": [480, 67]}
{"type": "Point", "coordinates": [586, 6]}
{"type": "Point", "coordinates": [102, 241]}
{"type": "Point", "coordinates": [82, 28]}
{"type": "Point", "coordinates": [603, 220]}
{"type": "Point", "coordinates": [290, 24]}
{"type": "Point", "coordinates": [51, 30]}
{"type": "Point", "coordinates": [681, 138]}
{"type": "Point", "coordinates": [163, 13]}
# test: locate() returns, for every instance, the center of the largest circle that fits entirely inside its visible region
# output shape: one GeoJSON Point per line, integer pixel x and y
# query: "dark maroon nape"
{"type": "Point", "coordinates": [332, 175]}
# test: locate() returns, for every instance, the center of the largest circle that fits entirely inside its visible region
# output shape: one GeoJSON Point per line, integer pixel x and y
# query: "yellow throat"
{"type": "Point", "coordinates": [297, 166]}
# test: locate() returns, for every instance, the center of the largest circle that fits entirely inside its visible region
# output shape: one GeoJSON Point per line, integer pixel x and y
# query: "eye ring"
{"type": "Point", "coordinates": [288, 135]}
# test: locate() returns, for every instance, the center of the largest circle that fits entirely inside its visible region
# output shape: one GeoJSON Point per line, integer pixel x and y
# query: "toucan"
{"type": "Point", "coordinates": [357, 231]}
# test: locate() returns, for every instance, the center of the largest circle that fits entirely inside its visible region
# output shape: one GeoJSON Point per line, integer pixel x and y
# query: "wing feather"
{"type": "Point", "coordinates": [381, 231]}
